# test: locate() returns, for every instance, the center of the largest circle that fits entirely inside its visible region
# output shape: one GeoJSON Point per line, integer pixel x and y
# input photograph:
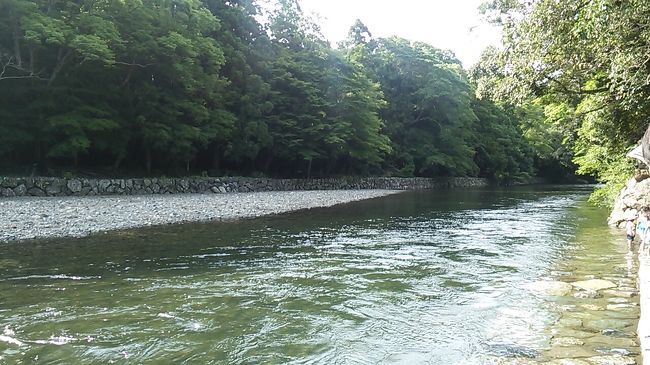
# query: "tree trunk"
{"type": "Point", "coordinates": [61, 58]}
{"type": "Point", "coordinates": [216, 158]}
{"type": "Point", "coordinates": [309, 168]}
{"type": "Point", "coordinates": [17, 55]}
{"type": "Point", "coordinates": [41, 158]}
{"type": "Point", "coordinates": [267, 162]}
{"type": "Point", "coordinates": [118, 161]}
{"type": "Point", "coordinates": [147, 152]}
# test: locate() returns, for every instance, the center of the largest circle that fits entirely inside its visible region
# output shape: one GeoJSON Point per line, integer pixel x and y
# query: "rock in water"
{"type": "Point", "coordinates": [594, 284]}
{"type": "Point", "coordinates": [555, 288]}
{"type": "Point", "coordinates": [567, 341]}
{"type": "Point", "coordinates": [567, 362]}
{"type": "Point", "coordinates": [612, 360]}
{"type": "Point", "coordinates": [607, 324]}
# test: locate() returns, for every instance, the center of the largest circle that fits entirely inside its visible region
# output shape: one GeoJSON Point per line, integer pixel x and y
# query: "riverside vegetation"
{"type": "Point", "coordinates": [252, 88]}
{"type": "Point", "coordinates": [233, 87]}
{"type": "Point", "coordinates": [582, 68]}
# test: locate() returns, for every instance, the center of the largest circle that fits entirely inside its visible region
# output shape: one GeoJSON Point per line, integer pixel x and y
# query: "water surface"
{"type": "Point", "coordinates": [419, 277]}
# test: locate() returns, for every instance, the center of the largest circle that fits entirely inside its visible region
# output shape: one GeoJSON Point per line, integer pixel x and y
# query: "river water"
{"type": "Point", "coordinates": [416, 278]}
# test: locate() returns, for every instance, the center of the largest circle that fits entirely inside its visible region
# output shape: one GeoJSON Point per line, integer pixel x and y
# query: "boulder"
{"type": "Point", "coordinates": [35, 192]}
{"type": "Point", "coordinates": [569, 352]}
{"type": "Point", "coordinates": [53, 189]}
{"type": "Point", "coordinates": [553, 288]}
{"type": "Point", "coordinates": [604, 324]}
{"type": "Point", "coordinates": [613, 342]}
{"type": "Point", "coordinates": [74, 185]}
{"type": "Point", "coordinates": [592, 307]}
{"type": "Point", "coordinates": [594, 284]}
{"type": "Point", "coordinates": [587, 294]}
{"type": "Point", "coordinates": [20, 190]}
{"type": "Point", "coordinates": [612, 360]}
{"type": "Point", "coordinates": [570, 322]}
{"type": "Point", "coordinates": [102, 185]}
{"type": "Point", "coordinates": [567, 362]}
{"type": "Point", "coordinates": [621, 307]}
{"type": "Point", "coordinates": [621, 294]}
{"type": "Point", "coordinates": [567, 341]}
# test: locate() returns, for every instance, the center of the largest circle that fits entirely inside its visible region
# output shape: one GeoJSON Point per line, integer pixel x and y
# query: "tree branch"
{"type": "Point", "coordinates": [19, 59]}
{"type": "Point", "coordinates": [10, 64]}
{"type": "Point", "coordinates": [593, 110]}
{"type": "Point", "coordinates": [580, 91]}
{"type": "Point", "coordinates": [4, 68]}
{"type": "Point", "coordinates": [61, 58]}
{"type": "Point", "coordinates": [134, 64]}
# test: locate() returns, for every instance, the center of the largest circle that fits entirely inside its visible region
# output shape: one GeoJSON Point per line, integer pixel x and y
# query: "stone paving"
{"type": "Point", "coordinates": [644, 321]}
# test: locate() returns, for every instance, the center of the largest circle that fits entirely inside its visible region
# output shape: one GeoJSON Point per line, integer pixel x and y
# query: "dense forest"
{"type": "Point", "coordinates": [181, 87]}
{"type": "Point", "coordinates": [224, 87]}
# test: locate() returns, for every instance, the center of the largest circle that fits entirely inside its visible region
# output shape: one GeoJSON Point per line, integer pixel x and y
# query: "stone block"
{"type": "Point", "coordinates": [20, 190]}
{"type": "Point", "coordinates": [102, 185]}
{"type": "Point", "coordinates": [53, 188]}
{"type": "Point", "coordinates": [74, 185]}
{"type": "Point", "coordinates": [35, 191]}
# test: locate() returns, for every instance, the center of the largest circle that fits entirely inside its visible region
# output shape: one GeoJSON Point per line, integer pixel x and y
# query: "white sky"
{"type": "Point", "coordinates": [448, 24]}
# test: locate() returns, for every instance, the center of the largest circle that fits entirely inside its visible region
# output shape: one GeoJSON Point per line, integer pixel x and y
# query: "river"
{"type": "Point", "coordinates": [420, 277]}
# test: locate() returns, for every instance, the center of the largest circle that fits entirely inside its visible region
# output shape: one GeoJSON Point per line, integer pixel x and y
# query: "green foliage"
{"type": "Point", "coordinates": [586, 64]}
{"type": "Point", "coordinates": [429, 113]}
{"type": "Point", "coordinates": [201, 85]}
{"type": "Point", "coordinates": [598, 155]}
{"type": "Point", "coordinates": [502, 153]}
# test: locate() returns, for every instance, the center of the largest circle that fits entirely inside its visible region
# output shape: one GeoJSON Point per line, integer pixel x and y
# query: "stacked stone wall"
{"type": "Point", "coordinates": [49, 186]}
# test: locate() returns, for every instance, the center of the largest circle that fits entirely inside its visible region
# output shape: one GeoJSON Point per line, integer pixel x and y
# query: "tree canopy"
{"type": "Point", "coordinates": [585, 64]}
{"type": "Point", "coordinates": [191, 86]}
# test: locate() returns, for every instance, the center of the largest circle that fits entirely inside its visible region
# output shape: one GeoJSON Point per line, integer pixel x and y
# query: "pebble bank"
{"type": "Point", "coordinates": [23, 218]}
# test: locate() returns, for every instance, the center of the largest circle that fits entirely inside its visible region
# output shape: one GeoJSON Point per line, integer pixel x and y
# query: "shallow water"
{"type": "Point", "coordinates": [419, 277]}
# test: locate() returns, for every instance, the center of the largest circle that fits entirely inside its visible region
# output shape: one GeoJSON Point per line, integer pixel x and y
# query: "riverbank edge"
{"type": "Point", "coordinates": [52, 186]}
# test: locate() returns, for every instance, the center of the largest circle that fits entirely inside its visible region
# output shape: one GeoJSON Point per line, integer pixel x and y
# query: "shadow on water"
{"type": "Point", "coordinates": [418, 277]}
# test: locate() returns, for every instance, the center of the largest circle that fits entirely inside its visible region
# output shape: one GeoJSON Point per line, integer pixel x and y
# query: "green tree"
{"type": "Point", "coordinates": [590, 60]}
{"type": "Point", "coordinates": [429, 113]}
{"type": "Point", "coordinates": [501, 153]}
{"type": "Point", "coordinates": [356, 141]}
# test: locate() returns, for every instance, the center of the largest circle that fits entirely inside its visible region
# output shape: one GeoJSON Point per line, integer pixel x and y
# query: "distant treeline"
{"type": "Point", "coordinates": [183, 86]}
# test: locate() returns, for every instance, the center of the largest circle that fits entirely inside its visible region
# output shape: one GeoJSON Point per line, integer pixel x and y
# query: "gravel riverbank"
{"type": "Point", "coordinates": [28, 217]}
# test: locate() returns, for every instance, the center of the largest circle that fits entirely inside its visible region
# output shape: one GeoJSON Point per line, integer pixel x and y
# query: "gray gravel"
{"type": "Point", "coordinates": [28, 217]}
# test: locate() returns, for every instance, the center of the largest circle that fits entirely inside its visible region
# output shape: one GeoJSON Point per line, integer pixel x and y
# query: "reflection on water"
{"type": "Point", "coordinates": [420, 277]}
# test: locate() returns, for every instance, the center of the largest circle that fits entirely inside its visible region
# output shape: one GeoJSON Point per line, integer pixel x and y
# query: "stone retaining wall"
{"type": "Point", "coordinates": [635, 194]}
{"type": "Point", "coordinates": [48, 186]}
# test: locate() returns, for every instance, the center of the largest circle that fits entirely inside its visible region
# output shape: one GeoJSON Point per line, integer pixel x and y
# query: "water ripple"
{"type": "Point", "coordinates": [419, 278]}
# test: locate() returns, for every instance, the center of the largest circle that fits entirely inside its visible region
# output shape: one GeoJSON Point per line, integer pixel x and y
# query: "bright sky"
{"type": "Point", "coordinates": [446, 24]}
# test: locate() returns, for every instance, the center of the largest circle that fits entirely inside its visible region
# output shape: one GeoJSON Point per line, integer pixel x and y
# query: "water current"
{"type": "Point", "coordinates": [416, 278]}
